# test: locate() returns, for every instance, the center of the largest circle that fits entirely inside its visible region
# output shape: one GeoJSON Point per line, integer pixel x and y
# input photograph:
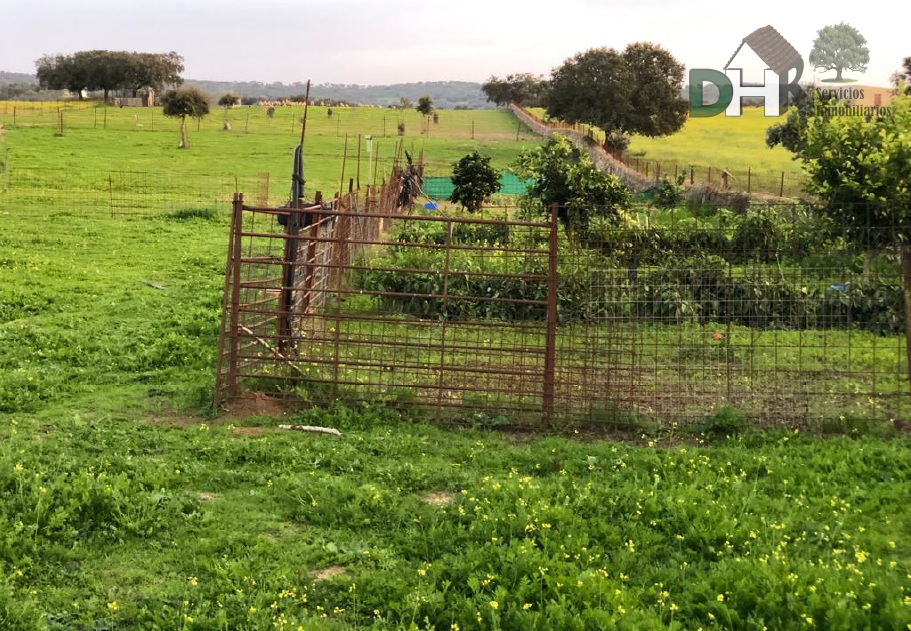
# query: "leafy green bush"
{"type": "Point", "coordinates": [474, 181]}
{"type": "Point", "coordinates": [670, 192]}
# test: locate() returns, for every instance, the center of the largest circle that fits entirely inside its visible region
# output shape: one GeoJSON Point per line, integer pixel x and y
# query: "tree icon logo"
{"type": "Point", "coordinates": [840, 47]}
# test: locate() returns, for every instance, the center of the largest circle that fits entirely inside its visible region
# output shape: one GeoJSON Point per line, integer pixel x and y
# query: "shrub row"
{"type": "Point", "coordinates": [693, 290]}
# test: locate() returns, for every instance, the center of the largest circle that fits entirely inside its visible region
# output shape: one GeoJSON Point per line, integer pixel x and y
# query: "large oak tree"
{"type": "Point", "coordinates": [109, 70]}
{"type": "Point", "coordinates": [637, 91]}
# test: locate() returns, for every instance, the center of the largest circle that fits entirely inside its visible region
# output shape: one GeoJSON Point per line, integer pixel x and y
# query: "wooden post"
{"type": "Point", "coordinates": [749, 179]}
{"type": "Point", "coordinates": [781, 189]}
{"type": "Point", "coordinates": [710, 176]}
{"type": "Point", "coordinates": [692, 175]}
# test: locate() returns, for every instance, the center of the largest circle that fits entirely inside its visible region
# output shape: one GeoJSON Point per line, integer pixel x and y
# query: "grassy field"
{"type": "Point", "coordinates": [735, 144]}
{"type": "Point", "coordinates": [128, 505]}
{"type": "Point", "coordinates": [721, 142]}
{"type": "Point", "coordinates": [142, 139]}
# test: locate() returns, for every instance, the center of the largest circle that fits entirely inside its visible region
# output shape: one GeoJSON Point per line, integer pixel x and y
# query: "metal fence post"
{"type": "Point", "coordinates": [232, 282]}
{"type": "Point", "coordinates": [550, 343]}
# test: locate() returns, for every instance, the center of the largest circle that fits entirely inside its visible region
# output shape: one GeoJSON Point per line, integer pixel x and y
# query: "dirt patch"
{"type": "Point", "coordinates": [329, 572]}
{"type": "Point", "coordinates": [248, 432]}
{"type": "Point", "coordinates": [253, 404]}
{"type": "Point", "coordinates": [287, 529]}
{"type": "Point", "coordinates": [439, 498]}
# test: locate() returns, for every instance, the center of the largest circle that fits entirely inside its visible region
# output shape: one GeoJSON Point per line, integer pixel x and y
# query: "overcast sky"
{"type": "Point", "coordinates": [392, 41]}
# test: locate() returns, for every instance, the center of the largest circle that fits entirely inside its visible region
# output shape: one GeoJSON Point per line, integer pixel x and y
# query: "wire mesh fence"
{"type": "Point", "coordinates": [127, 193]}
{"type": "Point", "coordinates": [776, 183]}
{"type": "Point", "coordinates": [723, 178]}
{"type": "Point", "coordinates": [266, 119]}
{"type": "Point", "coordinates": [781, 314]}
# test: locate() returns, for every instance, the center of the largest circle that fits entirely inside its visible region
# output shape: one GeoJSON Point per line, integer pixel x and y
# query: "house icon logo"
{"type": "Point", "coordinates": [780, 58]}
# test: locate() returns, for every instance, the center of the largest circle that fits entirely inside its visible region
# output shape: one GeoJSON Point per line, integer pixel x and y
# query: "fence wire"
{"type": "Point", "coordinates": [780, 314]}
{"type": "Point", "coordinates": [128, 193]}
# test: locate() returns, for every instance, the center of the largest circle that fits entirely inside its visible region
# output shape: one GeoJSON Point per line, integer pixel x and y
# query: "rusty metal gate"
{"type": "Point", "coordinates": [330, 302]}
{"type": "Point", "coordinates": [492, 317]}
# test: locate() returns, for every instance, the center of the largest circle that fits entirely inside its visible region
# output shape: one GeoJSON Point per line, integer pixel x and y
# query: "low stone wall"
{"type": "Point", "coordinates": [601, 159]}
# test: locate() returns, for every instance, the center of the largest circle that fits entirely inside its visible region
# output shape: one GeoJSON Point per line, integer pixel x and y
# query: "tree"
{"type": "Point", "coordinates": [155, 71]}
{"type": "Point", "coordinates": [425, 105]}
{"type": "Point", "coordinates": [861, 167]}
{"type": "Point", "coordinates": [564, 177]}
{"type": "Point", "coordinates": [474, 181]}
{"type": "Point", "coordinates": [902, 79]}
{"type": "Point", "coordinates": [61, 72]}
{"type": "Point", "coordinates": [839, 47]}
{"type": "Point", "coordinates": [634, 92]}
{"type": "Point", "coordinates": [184, 102]}
{"type": "Point", "coordinates": [792, 134]}
{"type": "Point", "coordinates": [109, 70]}
{"type": "Point", "coordinates": [523, 89]}
{"type": "Point", "coordinates": [658, 109]}
{"type": "Point", "coordinates": [227, 101]}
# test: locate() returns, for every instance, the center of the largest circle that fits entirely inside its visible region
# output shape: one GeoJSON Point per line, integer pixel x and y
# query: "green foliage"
{"type": "Point", "coordinates": [862, 167]}
{"type": "Point", "coordinates": [115, 524]}
{"type": "Point", "coordinates": [839, 47]}
{"type": "Point", "coordinates": [759, 235]}
{"type": "Point", "coordinates": [724, 422]}
{"type": "Point", "coordinates": [184, 102]}
{"type": "Point", "coordinates": [902, 79]}
{"type": "Point", "coordinates": [109, 70]}
{"type": "Point", "coordinates": [474, 181]}
{"type": "Point", "coordinates": [562, 176]}
{"type": "Point", "coordinates": [425, 105]}
{"type": "Point", "coordinates": [792, 134]}
{"type": "Point", "coordinates": [670, 192]}
{"type": "Point", "coordinates": [228, 100]}
{"type": "Point", "coordinates": [152, 519]}
{"type": "Point", "coordinates": [523, 89]}
{"type": "Point", "coordinates": [633, 92]}
{"type": "Point", "coordinates": [701, 287]}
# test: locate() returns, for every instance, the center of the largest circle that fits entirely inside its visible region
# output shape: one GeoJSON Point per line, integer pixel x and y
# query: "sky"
{"type": "Point", "coordinates": [400, 41]}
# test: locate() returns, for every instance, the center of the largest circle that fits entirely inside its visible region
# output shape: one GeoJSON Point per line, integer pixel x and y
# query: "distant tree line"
{"type": "Point", "coordinates": [523, 89]}
{"type": "Point", "coordinates": [107, 71]}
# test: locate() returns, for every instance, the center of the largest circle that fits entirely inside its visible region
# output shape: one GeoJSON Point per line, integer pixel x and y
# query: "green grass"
{"type": "Point", "coordinates": [126, 506]}
{"type": "Point", "coordinates": [142, 139]}
{"type": "Point", "coordinates": [115, 523]}
{"type": "Point", "coordinates": [723, 143]}
{"type": "Point", "coordinates": [735, 144]}
{"type": "Point", "coordinates": [720, 142]}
